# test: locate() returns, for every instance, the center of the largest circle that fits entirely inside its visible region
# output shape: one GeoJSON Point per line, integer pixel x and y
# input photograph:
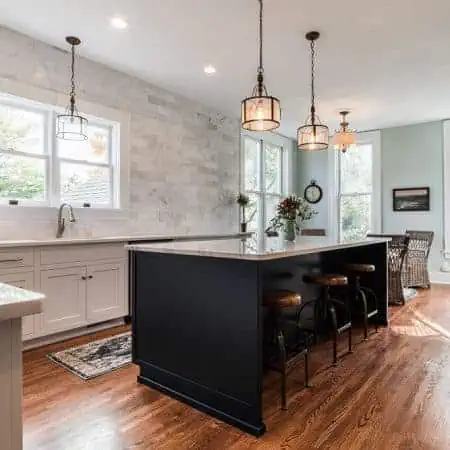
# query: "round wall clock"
{"type": "Point", "coordinates": [313, 193]}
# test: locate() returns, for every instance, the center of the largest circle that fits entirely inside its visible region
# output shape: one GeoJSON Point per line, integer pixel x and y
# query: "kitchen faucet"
{"type": "Point", "coordinates": [62, 221]}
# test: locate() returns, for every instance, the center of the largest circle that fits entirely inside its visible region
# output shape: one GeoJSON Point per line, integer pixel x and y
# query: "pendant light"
{"type": "Point", "coordinates": [71, 126]}
{"type": "Point", "coordinates": [313, 135]}
{"type": "Point", "coordinates": [344, 137]}
{"type": "Point", "coordinates": [260, 112]}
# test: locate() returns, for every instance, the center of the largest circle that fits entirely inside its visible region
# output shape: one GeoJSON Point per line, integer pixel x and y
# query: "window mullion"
{"type": "Point", "coordinates": [54, 162]}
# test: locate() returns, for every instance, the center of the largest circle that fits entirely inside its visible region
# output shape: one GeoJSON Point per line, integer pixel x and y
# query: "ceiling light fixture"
{"type": "Point", "coordinates": [313, 135]}
{"type": "Point", "coordinates": [344, 137]}
{"type": "Point", "coordinates": [119, 23]}
{"type": "Point", "coordinates": [71, 126]}
{"type": "Point", "coordinates": [260, 112]}
{"type": "Point", "coordinates": [209, 70]}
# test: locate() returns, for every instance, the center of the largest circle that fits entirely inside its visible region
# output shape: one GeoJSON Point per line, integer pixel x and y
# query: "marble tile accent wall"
{"type": "Point", "coordinates": [184, 157]}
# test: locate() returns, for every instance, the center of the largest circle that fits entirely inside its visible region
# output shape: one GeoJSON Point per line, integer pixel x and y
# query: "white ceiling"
{"type": "Point", "coordinates": [387, 60]}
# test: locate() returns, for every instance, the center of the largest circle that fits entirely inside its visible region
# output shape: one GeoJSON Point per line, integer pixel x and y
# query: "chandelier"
{"type": "Point", "coordinates": [313, 135]}
{"type": "Point", "coordinates": [260, 112]}
{"type": "Point", "coordinates": [71, 125]}
{"type": "Point", "coordinates": [344, 137]}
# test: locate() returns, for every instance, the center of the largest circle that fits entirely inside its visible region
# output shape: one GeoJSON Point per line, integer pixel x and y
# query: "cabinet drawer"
{"type": "Point", "coordinates": [12, 259]}
{"type": "Point", "coordinates": [81, 253]}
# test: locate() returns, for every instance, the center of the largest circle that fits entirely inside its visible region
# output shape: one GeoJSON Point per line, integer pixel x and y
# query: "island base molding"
{"type": "Point", "coordinates": [148, 378]}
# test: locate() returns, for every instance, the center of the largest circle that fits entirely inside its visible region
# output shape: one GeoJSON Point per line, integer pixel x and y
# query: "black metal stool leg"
{"type": "Point", "coordinates": [283, 357]}
{"type": "Point", "coordinates": [332, 311]}
{"type": "Point", "coordinates": [307, 369]}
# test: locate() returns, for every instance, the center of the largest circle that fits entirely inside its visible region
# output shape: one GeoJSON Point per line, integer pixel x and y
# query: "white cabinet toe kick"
{"type": "Point", "coordinates": [84, 285]}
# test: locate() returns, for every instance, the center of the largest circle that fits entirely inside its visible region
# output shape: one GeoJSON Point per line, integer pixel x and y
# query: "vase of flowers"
{"type": "Point", "coordinates": [291, 211]}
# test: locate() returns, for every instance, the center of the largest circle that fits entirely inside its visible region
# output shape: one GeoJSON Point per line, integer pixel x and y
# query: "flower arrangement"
{"type": "Point", "coordinates": [290, 211]}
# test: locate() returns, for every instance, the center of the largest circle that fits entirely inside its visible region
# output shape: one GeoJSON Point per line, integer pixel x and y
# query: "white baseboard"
{"type": "Point", "coordinates": [440, 277]}
{"type": "Point", "coordinates": [40, 342]}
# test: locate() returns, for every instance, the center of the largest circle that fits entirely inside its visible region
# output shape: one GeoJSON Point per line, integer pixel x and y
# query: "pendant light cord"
{"type": "Point", "coordinates": [261, 88]}
{"type": "Point", "coordinates": [72, 82]}
{"type": "Point", "coordinates": [261, 12]}
{"type": "Point", "coordinates": [313, 69]}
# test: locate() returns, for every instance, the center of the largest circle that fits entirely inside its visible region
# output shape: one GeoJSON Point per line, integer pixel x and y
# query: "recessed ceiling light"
{"type": "Point", "coordinates": [209, 70]}
{"type": "Point", "coordinates": [119, 23]}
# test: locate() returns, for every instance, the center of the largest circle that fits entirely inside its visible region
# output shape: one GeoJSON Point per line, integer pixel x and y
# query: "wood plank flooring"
{"type": "Point", "coordinates": [393, 392]}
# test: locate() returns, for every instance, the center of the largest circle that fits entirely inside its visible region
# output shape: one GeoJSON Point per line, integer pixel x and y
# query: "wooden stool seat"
{"type": "Point", "coordinates": [329, 280]}
{"type": "Point", "coordinates": [282, 299]}
{"type": "Point", "coordinates": [361, 268]}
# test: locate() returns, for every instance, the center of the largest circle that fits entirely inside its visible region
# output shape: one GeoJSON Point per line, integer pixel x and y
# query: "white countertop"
{"type": "Point", "coordinates": [245, 249]}
{"type": "Point", "coordinates": [16, 302]}
{"type": "Point", "coordinates": [107, 239]}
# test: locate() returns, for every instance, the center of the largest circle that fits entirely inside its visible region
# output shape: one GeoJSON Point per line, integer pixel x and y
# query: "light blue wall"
{"type": "Point", "coordinates": [411, 156]}
{"type": "Point", "coordinates": [314, 166]}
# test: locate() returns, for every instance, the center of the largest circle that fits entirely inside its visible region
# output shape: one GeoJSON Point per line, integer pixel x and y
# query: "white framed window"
{"type": "Point", "coordinates": [37, 169]}
{"type": "Point", "coordinates": [266, 180]}
{"type": "Point", "coordinates": [356, 203]}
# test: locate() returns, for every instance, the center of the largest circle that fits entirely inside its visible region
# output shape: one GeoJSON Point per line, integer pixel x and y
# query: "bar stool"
{"type": "Point", "coordinates": [328, 306]}
{"type": "Point", "coordinates": [288, 354]}
{"type": "Point", "coordinates": [364, 295]}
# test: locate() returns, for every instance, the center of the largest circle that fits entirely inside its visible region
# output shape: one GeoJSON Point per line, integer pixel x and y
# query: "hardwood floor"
{"type": "Point", "coordinates": [393, 392]}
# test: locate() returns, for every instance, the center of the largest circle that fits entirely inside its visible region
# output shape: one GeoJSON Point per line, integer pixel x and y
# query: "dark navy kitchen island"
{"type": "Point", "coordinates": [197, 321]}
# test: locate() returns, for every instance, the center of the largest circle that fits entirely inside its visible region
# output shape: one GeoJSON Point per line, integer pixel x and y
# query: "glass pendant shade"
{"type": "Point", "coordinates": [261, 113]}
{"type": "Point", "coordinates": [312, 137]}
{"type": "Point", "coordinates": [344, 139]}
{"type": "Point", "coordinates": [71, 127]}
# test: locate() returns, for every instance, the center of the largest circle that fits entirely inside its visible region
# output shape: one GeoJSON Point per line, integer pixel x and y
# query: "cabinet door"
{"type": "Point", "coordinates": [24, 281]}
{"type": "Point", "coordinates": [65, 305]}
{"type": "Point", "coordinates": [106, 298]}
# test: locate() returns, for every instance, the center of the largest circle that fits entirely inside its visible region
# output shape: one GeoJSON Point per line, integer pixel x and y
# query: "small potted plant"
{"type": "Point", "coordinates": [243, 201]}
{"type": "Point", "coordinates": [290, 211]}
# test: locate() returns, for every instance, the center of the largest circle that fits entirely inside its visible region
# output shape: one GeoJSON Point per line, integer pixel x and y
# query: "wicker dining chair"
{"type": "Point", "coordinates": [416, 262]}
{"type": "Point", "coordinates": [397, 248]}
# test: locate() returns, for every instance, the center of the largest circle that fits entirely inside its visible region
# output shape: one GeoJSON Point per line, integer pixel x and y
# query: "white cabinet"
{"type": "Point", "coordinates": [83, 284]}
{"type": "Point", "coordinates": [65, 305]}
{"type": "Point", "coordinates": [25, 281]}
{"type": "Point", "coordinates": [105, 292]}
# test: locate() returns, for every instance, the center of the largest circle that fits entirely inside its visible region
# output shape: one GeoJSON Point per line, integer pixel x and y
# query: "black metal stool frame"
{"type": "Point", "coordinates": [285, 364]}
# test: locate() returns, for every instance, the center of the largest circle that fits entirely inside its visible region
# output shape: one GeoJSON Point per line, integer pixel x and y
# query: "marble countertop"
{"type": "Point", "coordinates": [16, 302]}
{"type": "Point", "coordinates": [123, 238]}
{"type": "Point", "coordinates": [247, 249]}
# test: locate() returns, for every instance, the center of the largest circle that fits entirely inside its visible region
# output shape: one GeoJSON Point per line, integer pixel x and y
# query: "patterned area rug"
{"type": "Point", "coordinates": [96, 358]}
{"type": "Point", "coordinates": [409, 293]}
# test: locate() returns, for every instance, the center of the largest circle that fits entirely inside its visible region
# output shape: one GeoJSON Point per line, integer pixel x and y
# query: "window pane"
{"type": "Point", "coordinates": [252, 212]}
{"type": "Point", "coordinates": [272, 169]}
{"type": "Point", "coordinates": [271, 209]}
{"type": "Point", "coordinates": [21, 130]}
{"type": "Point", "coordinates": [22, 178]}
{"type": "Point", "coordinates": [252, 243]}
{"type": "Point", "coordinates": [85, 184]}
{"type": "Point", "coordinates": [94, 149]}
{"type": "Point", "coordinates": [355, 217]}
{"type": "Point", "coordinates": [356, 170]}
{"type": "Point", "coordinates": [251, 165]}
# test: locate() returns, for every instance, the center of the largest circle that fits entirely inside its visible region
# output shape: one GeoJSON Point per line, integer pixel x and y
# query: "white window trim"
{"type": "Point", "coordinates": [286, 172]}
{"type": "Point", "coordinates": [446, 161]}
{"type": "Point", "coordinates": [51, 101]}
{"type": "Point", "coordinates": [368, 137]}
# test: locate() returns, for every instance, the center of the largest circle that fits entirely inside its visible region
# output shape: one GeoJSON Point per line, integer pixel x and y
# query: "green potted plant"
{"type": "Point", "coordinates": [243, 201]}
{"type": "Point", "coordinates": [290, 211]}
